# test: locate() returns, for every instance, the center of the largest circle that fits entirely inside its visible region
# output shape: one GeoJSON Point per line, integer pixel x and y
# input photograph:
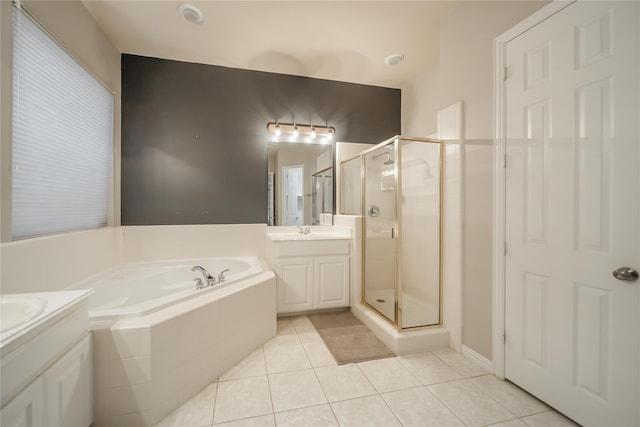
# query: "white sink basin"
{"type": "Point", "coordinates": [17, 310]}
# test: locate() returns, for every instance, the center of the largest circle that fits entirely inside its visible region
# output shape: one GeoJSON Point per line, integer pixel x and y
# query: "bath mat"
{"type": "Point", "coordinates": [347, 338]}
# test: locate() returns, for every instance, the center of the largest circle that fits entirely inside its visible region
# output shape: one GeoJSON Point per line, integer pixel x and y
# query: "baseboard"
{"type": "Point", "coordinates": [477, 357]}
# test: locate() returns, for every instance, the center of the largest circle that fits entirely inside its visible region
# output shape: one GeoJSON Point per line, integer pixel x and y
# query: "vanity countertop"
{"type": "Point", "coordinates": [315, 233]}
{"type": "Point", "coordinates": [57, 305]}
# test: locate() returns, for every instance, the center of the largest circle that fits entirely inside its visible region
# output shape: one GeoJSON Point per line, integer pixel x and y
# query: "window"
{"type": "Point", "coordinates": [62, 137]}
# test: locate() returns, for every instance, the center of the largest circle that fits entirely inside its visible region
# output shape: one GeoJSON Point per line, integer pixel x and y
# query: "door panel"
{"type": "Point", "coordinates": [572, 212]}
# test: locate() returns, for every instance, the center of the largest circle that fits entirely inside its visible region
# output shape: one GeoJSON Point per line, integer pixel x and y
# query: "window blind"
{"type": "Point", "coordinates": [62, 137]}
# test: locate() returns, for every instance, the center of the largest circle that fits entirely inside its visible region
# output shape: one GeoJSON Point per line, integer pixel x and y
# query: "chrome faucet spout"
{"type": "Point", "coordinates": [209, 279]}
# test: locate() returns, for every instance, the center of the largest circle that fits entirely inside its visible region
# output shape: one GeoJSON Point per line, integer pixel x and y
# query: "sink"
{"type": "Point", "coordinates": [314, 235]}
{"type": "Point", "coordinates": [17, 310]}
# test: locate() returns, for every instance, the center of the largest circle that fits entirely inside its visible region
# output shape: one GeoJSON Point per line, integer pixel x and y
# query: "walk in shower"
{"type": "Point", "coordinates": [401, 207]}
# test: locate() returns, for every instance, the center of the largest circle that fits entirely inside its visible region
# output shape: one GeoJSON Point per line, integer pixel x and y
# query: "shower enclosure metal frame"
{"type": "Point", "coordinates": [398, 288]}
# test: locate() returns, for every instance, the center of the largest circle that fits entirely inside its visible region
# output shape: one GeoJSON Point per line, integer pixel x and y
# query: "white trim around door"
{"type": "Point", "coordinates": [499, 239]}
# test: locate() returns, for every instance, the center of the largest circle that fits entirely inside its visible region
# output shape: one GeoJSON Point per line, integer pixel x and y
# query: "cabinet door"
{"type": "Point", "coordinates": [26, 409]}
{"type": "Point", "coordinates": [69, 388]}
{"type": "Point", "coordinates": [332, 282]}
{"type": "Point", "coordinates": [295, 284]}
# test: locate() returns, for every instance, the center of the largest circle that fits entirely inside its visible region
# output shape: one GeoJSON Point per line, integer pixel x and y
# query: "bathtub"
{"type": "Point", "coordinates": [157, 340]}
{"type": "Point", "coordinates": [139, 289]}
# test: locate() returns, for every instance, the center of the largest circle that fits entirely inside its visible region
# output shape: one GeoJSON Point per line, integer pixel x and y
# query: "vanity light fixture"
{"type": "Point", "coordinates": [301, 133]}
{"type": "Point", "coordinates": [330, 133]}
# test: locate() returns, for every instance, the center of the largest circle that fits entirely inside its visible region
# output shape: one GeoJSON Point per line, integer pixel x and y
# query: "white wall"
{"type": "Point", "coordinates": [52, 263]}
{"type": "Point", "coordinates": [146, 243]}
{"type": "Point", "coordinates": [465, 72]}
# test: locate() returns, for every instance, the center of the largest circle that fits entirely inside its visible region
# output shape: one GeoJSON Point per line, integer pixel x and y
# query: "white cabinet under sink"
{"type": "Point", "coordinates": [311, 274]}
{"type": "Point", "coordinates": [66, 389]}
{"type": "Point", "coordinates": [46, 366]}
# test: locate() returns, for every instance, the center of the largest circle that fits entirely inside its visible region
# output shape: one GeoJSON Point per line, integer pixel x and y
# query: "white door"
{"type": "Point", "coordinates": [572, 212]}
{"type": "Point", "coordinates": [293, 195]}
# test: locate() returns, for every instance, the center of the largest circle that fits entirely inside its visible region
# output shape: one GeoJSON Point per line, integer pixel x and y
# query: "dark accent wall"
{"type": "Point", "coordinates": [194, 138]}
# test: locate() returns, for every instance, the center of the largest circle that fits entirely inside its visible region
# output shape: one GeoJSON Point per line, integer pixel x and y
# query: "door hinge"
{"type": "Point", "coordinates": [504, 162]}
{"type": "Point", "coordinates": [506, 73]}
{"type": "Point", "coordinates": [504, 336]}
{"type": "Point", "coordinates": [505, 248]}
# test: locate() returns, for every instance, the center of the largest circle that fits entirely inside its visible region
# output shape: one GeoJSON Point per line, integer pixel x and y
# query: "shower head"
{"type": "Point", "coordinates": [388, 154]}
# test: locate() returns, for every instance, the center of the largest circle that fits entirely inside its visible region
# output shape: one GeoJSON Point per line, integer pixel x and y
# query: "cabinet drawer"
{"type": "Point", "coordinates": [315, 247]}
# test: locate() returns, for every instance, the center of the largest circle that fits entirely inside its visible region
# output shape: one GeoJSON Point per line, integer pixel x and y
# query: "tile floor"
{"type": "Point", "coordinates": [292, 380]}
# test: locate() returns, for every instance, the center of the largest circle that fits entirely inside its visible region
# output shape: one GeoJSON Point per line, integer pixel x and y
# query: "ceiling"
{"type": "Point", "coordinates": [335, 40]}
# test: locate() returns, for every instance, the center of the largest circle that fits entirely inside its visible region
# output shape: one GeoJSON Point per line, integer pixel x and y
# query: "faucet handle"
{"type": "Point", "coordinates": [199, 284]}
{"type": "Point", "coordinates": [221, 277]}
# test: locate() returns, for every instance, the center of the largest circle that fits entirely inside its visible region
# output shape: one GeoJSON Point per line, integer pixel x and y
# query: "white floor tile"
{"type": "Point", "coordinates": [344, 382]}
{"type": "Point", "coordinates": [470, 404]}
{"type": "Point", "coordinates": [285, 325]}
{"type": "Point", "coordinates": [465, 367]}
{"type": "Point", "coordinates": [295, 375]}
{"type": "Point", "coordinates": [517, 401]}
{"type": "Point", "coordinates": [282, 339]}
{"type": "Point", "coordinates": [309, 336]}
{"type": "Point", "coordinates": [419, 407]}
{"type": "Point", "coordinates": [263, 421]}
{"type": "Point", "coordinates": [294, 390]}
{"type": "Point", "coordinates": [302, 324]}
{"type": "Point", "coordinates": [242, 398]}
{"type": "Point", "coordinates": [286, 358]}
{"type": "Point", "coordinates": [314, 416]}
{"type": "Point", "coordinates": [549, 419]}
{"type": "Point", "coordinates": [428, 369]}
{"type": "Point", "coordinates": [368, 411]}
{"type": "Point", "coordinates": [388, 375]}
{"type": "Point", "coordinates": [510, 423]}
{"type": "Point", "coordinates": [251, 366]}
{"type": "Point", "coordinates": [318, 354]}
{"type": "Point", "coordinates": [197, 412]}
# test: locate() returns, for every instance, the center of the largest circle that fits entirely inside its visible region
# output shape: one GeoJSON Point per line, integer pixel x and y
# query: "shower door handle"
{"type": "Point", "coordinates": [393, 233]}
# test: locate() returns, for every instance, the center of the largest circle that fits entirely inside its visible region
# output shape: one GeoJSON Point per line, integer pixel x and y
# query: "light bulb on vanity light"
{"type": "Point", "coordinates": [295, 131]}
{"type": "Point", "coordinates": [312, 135]}
{"type": "Point", "coordinates": [277, 132]}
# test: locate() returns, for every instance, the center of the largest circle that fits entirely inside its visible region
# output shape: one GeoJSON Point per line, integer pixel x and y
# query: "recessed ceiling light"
{"type": "Point", "coordinates": [394, 59]}
{"type": "Point", "coordinates": [191, 13]}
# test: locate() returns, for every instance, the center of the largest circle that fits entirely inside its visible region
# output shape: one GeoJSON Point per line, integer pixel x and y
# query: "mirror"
{"type": "Point", "coordinates": [300, 183]}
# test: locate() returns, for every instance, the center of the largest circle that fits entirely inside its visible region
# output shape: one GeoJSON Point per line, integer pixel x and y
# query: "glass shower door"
{"type": "Point", "coordinates": [380, 213]}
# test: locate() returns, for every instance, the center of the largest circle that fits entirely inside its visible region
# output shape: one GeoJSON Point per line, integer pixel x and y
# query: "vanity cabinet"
{"type": "Point", "coordinates": [27, 408]}
{"type": "Point", "coordinates": [311, 274]}
{"type": "Point", "coordinates": [46, 366]}
{"type": "Point", "coordinates": [66, 389]}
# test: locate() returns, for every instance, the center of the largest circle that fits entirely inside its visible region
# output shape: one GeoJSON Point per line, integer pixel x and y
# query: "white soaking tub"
{"type": "Point", "coordinates": [158, 340]}
{"type": "Point", "coordinates": [139, 289]}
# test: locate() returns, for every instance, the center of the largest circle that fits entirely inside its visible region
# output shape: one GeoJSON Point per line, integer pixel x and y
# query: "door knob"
{"type": "Point", "coordinates": [626, 274]}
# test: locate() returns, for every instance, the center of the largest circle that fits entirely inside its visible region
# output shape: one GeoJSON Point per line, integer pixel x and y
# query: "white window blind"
{"type": "Point", "coordinates": [62, 137]}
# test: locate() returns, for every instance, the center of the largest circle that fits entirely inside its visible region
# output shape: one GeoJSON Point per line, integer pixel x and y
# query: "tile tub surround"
{"type": "Point", "coordinates": [440, 388]}
{"type": "Point", "coordinates": [146, 367]}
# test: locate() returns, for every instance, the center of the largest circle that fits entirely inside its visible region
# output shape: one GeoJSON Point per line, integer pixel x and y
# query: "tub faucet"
{"type": "Point", "coordinates": [221, 277]}
{"type": "Point", "coordinates": [209, 279]}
